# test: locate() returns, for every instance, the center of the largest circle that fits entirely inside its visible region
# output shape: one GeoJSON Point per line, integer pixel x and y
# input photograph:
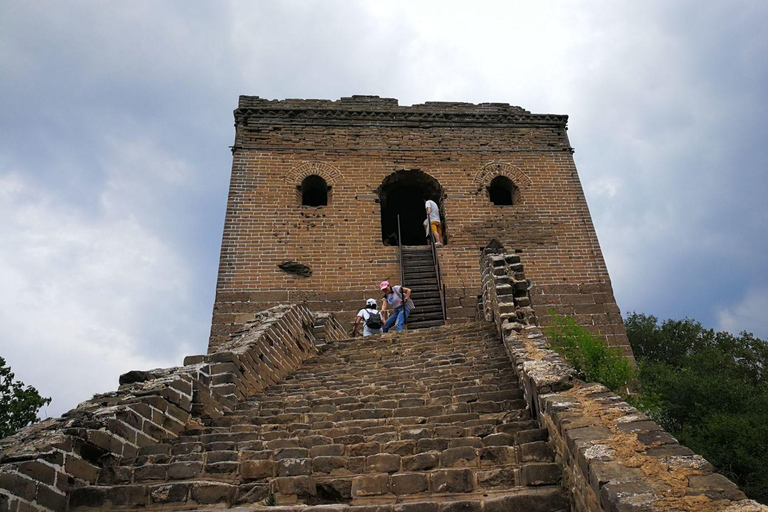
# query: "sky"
{"type": "Point", "coordinates": [116, 121]}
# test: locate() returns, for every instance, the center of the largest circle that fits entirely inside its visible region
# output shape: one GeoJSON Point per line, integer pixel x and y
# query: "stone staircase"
{"type": "Point", "coordinates": [419, 275]}
{"type": "Point", "coordinates": [431, 420]}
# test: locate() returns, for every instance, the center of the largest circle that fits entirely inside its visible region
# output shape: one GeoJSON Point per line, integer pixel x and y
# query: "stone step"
{"type": "Point", "coordinates": [332, 404]}
{"type": "Point", "coordinates": [393, 418]}
{"type": "Point", "coordinates": [511, 461]}
{"type": "Point", "coordinates": [423, 281]}
{"type": "Point", "coordinates": [389, 394]}
{"type": "Point", "coordinates": [437, 421]}
{"type": "Point", "coordinates": [255, 441]}
{"type": "Point", "coordinates": [314, 446]}
{"type": "Point", "coordinates": [423, 324]}
{"type": "Point", "coordinates": [418, 266]}
{"type": "Point", "coordinates": [393, 386]}
{"type": "Point", "coordinates": [530, 488]}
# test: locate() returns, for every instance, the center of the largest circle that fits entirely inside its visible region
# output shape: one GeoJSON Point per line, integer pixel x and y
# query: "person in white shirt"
{"type": "Point", "coordinates": [371, 319]}
{"type": "Point", "coordinates": [433, 216]}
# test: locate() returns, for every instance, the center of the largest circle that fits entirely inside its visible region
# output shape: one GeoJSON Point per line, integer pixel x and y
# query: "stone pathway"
{"type": "Point", "coordinates": [429, 420]}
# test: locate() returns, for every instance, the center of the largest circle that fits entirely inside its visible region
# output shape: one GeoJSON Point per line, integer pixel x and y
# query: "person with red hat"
{"type": "Point", "coordinates": [399, 299]}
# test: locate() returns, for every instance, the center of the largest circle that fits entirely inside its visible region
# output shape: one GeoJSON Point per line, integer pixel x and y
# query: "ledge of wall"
{"type": "Point", "coordinates": [614, 458]}
{"type": "Point", "coordinates": [42, 464]}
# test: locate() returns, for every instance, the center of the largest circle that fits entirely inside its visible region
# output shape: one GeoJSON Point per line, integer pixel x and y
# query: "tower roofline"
{"type": "Point", "coordinates": [253, 111]}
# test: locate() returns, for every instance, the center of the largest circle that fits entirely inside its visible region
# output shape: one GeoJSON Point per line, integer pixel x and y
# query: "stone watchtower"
{"type": "Point", "coordinates": [317, 187]}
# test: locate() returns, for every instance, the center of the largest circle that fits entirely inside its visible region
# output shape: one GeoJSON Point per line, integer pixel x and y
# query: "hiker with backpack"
{"type": "Point", "coordinates": [371, 318]}
{"type": "Point", "coordinates": [399, 298]}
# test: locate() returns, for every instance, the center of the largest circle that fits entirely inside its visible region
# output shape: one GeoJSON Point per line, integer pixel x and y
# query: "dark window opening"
{"type": "Point", "coordinates": [401, 194]}
{"type": "Point", "coordinates": [502, 192]}
{"type": "Point", "coordinates": [314, 191]}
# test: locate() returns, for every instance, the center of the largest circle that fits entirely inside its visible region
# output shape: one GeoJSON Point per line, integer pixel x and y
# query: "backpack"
{"type": "Point", "coordinates": [374, 320]}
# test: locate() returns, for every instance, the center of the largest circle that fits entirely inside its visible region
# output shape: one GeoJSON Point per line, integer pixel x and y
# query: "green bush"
{"type": "Point", "coordinates": [592, 357]}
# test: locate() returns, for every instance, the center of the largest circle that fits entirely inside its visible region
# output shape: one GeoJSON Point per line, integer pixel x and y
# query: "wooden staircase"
{"type": "Point", "coordinates": [420, 275]}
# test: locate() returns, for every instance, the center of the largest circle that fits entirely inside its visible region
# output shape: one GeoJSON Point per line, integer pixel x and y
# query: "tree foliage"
{"type": "Point", "coordinates": [591, 356]}
{"type": "Point", "coordinates": [710, 390]}
{"type": "Point", "coordinates": [19, 404]}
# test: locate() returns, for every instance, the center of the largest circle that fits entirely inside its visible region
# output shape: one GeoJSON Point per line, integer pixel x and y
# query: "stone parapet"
{"type": "Point", "coordinates": [41, 464]}
{"type": "Point", "coordinates": [253, 111]}
{"type": "Point", "coordinates": [615, 458]}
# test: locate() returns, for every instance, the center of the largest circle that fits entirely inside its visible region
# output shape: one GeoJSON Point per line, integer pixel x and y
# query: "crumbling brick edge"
{"type": "Point", "coordinates": [614, 457]}
{"type": "Point", "coordinates": [43, 463]}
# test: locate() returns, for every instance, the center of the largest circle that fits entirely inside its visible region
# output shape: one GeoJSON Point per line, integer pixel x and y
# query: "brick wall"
{"type": "Point", "coordinates": [42, 465]}
{"type": "Point", "coordinates": [357, 143]}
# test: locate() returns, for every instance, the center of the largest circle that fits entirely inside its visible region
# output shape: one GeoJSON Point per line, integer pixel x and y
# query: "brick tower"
{"type": "Point", "coordinates": [317, 188]}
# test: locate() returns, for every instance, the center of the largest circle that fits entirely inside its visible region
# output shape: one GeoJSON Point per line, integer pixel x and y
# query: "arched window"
{"type": "Point", "coordinates": [314, 191]}
{"type": "Point", "coordinates": [502, 192]}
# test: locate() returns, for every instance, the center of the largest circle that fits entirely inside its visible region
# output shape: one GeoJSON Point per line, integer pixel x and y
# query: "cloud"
{"type": "Point", "coordinates": [84, 298]}
{"type": "Point", "coordinates": [116, 121]}
{"type": "Point", "coordinates": [746, 315]}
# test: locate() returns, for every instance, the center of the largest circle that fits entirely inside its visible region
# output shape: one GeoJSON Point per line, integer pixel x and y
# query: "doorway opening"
{"type": "Point", "coordinates": [401, 193]}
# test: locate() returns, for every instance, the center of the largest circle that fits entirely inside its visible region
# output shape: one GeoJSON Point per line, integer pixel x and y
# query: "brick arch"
{"type": "Point", "coordinates": [329, 173]}
{"type": "Point", "coordinates": [495, 168]}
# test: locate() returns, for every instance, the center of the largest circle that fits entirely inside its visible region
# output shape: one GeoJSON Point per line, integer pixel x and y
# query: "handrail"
{"type": "Point", "coordinates": [400, 252]}
{"type": "Point", "coordinates": [440, 284]}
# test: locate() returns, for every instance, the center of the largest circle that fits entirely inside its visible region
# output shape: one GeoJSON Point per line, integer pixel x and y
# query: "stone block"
{"type": "Point", "coordinates": [38, 471]}
{"type": "Point", "coordinates": [555, 500]}
{"type": "Point", "coordinates": [500, 439]}
{"type": "Point", "coordinates": [293, 467]}
{"type": "Point", "coordinates": [714, 486]}
{"type": "Point", "coordinates": [600, 473]}
{"type": "Point", "coordinates": [303, 486]}
{"type": "Point", "coordinates": [256, 469]}
{"type": "Point", "coordinates": [409, 483]}
{"type": "Point", "coordinates": [402, 448]}
{"type": "Point", "coordinates": [421, 461]}
{"type": "Point", "coordinates": [169, 493]}
{"type": "Point", "coordinates": [453, 480]}
{"type": "Point", "coordinates": [383, 463]}
{"type": "Point", "coordinates": [327, 450]}
{"type": "Point", "coordinates": [540, 474]}
{"type": "Point", "coordinates": [461, 506]}
{"type": "Point", "coordinates": [370, 485]}
{"type": "Point", "coordinates": [422, 506]}
{"type": "Point", "coordinates": [627, 497]}
{"type": "Point", "coordinates": [497, 455]}
{"type": "Point", "coordinates": [184, 470]}
{"type": "Point", "coordinates": [150, 472]}
{"type": "Point", "coordinates": [328, 464]}
{"type": "Point", "coordinates": [464, 456]}
{"type": "Point", "coordinates": [538, 451]}
{"type": "Point", "coordinates": [503, 477]}
{"type": "Point", "coordinates": [209, 493]}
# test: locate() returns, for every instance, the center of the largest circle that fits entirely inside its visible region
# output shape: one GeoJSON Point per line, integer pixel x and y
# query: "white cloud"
{"type": "Point", "coordinates": [749, 314]}
{"type": "Point", "coordinates": [77, 292]}
{"type": "Point", "coordinates": [112, 217]}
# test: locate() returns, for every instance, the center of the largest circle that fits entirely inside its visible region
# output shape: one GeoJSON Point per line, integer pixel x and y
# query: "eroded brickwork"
{"type": "Point", "coordinates": [357, 144]}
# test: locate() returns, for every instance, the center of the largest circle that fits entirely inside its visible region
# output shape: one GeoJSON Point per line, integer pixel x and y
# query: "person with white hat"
{"type": "Point", "coordinates": [399, 298]}
{"type": "Point", "coordinates": [371, 318]}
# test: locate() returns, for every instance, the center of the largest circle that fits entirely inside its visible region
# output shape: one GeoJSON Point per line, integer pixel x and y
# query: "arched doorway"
{"type": "Point", "coordinates": [401, 194]}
